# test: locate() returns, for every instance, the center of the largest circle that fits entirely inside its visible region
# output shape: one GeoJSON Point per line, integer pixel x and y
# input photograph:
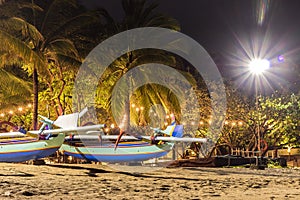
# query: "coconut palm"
{"type": "Point", "coordinates": [13, 90]}
{"type": "Point", "coordinates": [39, 33]}
{"type": "Point", "coordinates": [138, 13]}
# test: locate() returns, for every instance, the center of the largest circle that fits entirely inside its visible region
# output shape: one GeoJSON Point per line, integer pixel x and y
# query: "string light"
{"type": "Point", "coordinates": [18, 110]}
{"type": "Point", "coordinates": [112, 126]}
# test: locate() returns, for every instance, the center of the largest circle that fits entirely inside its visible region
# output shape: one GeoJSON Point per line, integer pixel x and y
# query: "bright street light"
{"type": "Point", "coordinates": [258, 66]}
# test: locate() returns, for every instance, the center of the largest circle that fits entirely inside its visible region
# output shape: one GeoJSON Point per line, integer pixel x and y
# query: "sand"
{"type": "Point", "coordinates": [91, 181]}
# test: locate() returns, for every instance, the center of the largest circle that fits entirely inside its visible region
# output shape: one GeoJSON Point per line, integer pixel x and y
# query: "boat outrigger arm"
{"type": "Point", "coordinates": [141, 137]}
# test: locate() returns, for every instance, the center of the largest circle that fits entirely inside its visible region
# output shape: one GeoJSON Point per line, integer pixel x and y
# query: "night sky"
{"type": "Point", "coordinates": [231, 29]}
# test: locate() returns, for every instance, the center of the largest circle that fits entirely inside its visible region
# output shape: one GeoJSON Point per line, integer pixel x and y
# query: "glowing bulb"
{"type": "Point", "coordinates": [2, 115]}
{"type": "Point", "coordinates": [133, 105]}
{"type": "Point", "coordinates": [29, 105]}
{"type": "Point", "coordinates": [233, 123]}
{"type": "Point", "coordinates": [142, 108]}
{"type": "Point", "coordinates": [20, 109]}
{"type": "Point", "coordinates": [226, 122]}
{"type": "Point", "coordinates": [166, 123]}
{"type": "Point", "coordinates": [201, 122]}
{"type": "Point", "coordinates": [137, 109]}
{"type": "Point", "coordinates": [240, 123]}
{"type": "Point", "coordinates": [11, 112]}
{"type": "Point", "coordinates": [106, 129]}
{"type": "Point", "coordinates": [167, 117]}
{"type": "Point", "coordinates": [112, 126]}
{"type": "Point", "coordinates": [258, 66]}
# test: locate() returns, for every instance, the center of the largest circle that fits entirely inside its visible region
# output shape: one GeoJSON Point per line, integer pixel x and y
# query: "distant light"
{"type": "Point", "coordinates": [29, 105]}
{"type": "Point", "coordinates": [20, 109]}
{"type": "Point", "coordinates": [112, 126]}
{"type": "Point", "coordinates": [258, 66]}
{"type": "Point", "coordinates": [2, 115]}
{"type": "Point", "coordinates": [280, 58]}
{"type": "Point", "coordinates": [11, 112]}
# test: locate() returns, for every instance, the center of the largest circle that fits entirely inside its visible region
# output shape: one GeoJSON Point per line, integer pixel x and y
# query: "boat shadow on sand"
{"type": "Point", "coordinates": [94, 171]}
{"type": "Point", "coordinates": [20, 174]}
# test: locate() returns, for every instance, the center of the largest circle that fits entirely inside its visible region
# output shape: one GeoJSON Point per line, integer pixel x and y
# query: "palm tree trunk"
{"type": "Point", "coordinates": [35, 98]}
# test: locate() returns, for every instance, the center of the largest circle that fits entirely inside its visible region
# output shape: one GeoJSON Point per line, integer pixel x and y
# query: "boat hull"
{"type": "Point", "coordinates": [30, 150]}
{"type": "Point", "coordinates": [125, 152]}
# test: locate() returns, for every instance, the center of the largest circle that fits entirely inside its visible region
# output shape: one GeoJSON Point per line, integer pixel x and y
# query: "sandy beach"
{"type": "Point", "coordinates": [91, 181]}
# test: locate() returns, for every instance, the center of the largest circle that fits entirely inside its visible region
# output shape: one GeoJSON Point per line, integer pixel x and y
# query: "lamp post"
{"type": "Point", "coordinates": [257, 67]}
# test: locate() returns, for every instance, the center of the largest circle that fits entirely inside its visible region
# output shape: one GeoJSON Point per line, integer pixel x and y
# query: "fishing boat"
{"type": "Point", "coordinates": [20, 149]}
{"type": "Point", "coordinates": [127, 148]}
{"type": "Point", "coordinates": [21, 145]}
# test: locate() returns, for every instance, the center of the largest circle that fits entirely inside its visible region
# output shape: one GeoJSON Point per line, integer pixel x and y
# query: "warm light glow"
{"type": "Point", "coordinates": [112, 126]}
{"type": "Point", "coordinates": [201, 122]}
{"type": "Point", "coordinates": [106, 129]}
{"type": "Point", "coordinates": [29, 105]}
{"type": "Point", "coordinates": [166, 123]}
{"type": "Point", "coordinates": [137, 109]}
{"type": "Point", "coordinates": [240, 123]}
{"type": "Point", "coordinates": [226, 122]}
{"type": "Point", "coordinates": [258, 66]}
{"type": "Point", "coordinates": [167, 117]}
{"type": "Point", "coordinates": [11, 112]}
{"type": "Point", "coordinates": [133, 105]}
{"type": "Point", "coordinates": [142, 108]}
{"type": "Point", "coordinates": [210, 121]}
{"type": "Point", "coordinates": [20, 109]}
{"type": "Point", "coordinates": [233, 123]}
{"type": "Point", "coordinates": [2, 115]}
{"type": "Point", "coordinates": [192, 123]}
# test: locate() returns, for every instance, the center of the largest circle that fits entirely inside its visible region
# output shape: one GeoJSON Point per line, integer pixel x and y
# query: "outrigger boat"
{"type": "Point", "coordinates": [20, 149]}
{"type": "Point", "coordinates": [84, 144]}
{"type": "Point", "coordinates": [24, 145]}
{"type": "Point", "coordinates": [124, 148]}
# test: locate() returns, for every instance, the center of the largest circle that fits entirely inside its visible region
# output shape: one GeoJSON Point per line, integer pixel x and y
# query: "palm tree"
{"type": "Point", "coordinates": [138, 13]}
{"type": "Point", "coordinates": [39, 33]}
{"type": "Point", "coordinates": [13, 90]}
